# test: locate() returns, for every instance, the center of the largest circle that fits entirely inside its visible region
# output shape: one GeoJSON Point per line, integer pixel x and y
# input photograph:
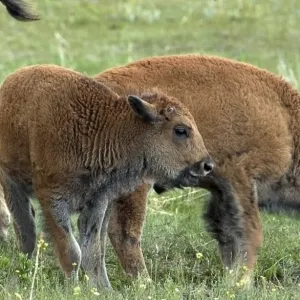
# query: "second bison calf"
{"type": "Point", "coordinates": [75, 145]}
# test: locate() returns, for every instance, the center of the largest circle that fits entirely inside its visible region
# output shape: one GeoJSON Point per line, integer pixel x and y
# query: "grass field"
{"type": "Point", "coordinates": [92, 35]}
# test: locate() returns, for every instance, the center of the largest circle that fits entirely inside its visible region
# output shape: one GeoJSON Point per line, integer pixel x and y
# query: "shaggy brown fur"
{"type": "Point", "coordinates": [20, 10]}
{"type": "Point", "coordinates": [250, 123]}
{"type": "Point", "coordinates": [76, 145]}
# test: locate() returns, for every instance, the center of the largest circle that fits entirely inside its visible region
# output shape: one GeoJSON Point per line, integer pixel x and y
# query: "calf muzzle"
{"type": "Point", "coordinates": [202, 168]}
{"type": "Point", "coordinates": [189, 177]}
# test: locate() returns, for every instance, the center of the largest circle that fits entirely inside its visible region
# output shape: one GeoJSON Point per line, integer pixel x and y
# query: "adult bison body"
{"type": "Point", "coordinates": [76, 145]}
{"type": "Point", "coordinates": [19, 10]}
{"type": "Point", "coordinates": [250, 122]}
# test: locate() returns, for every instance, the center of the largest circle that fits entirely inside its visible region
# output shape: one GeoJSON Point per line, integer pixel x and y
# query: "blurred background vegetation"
{"type": "Point", "coordinates": [92, 35]}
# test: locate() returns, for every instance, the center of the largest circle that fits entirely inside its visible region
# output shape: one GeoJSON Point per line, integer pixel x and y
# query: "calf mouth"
{"type": "Point", "coordinates": [189, 177]}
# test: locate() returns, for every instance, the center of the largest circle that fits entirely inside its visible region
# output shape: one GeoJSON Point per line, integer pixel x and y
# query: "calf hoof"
{"type": "Point", "coordinates": [100, 283]}
{"type": "Point", "coordinates": [74, 277]}
{"type": "Point", "coordinates": [246, 280]}
{"type": "Point", "coordinates": [137, 272]}
{"type": "Point", "coordinates": [4, 225]}
{"type": "Point", "coordinates": [240, 277]}
{"type": "Point", "coordinates": [3, 234]}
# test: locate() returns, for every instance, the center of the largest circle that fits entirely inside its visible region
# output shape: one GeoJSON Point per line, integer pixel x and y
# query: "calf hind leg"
{"type": "Point", "coordinates": [17, 198]}
{"type": "Point", "coordinates": [57, 219]}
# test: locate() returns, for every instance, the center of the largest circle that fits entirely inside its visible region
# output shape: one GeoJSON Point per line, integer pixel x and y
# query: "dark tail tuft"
{"type": "Point", "coordinates": [20, 10]}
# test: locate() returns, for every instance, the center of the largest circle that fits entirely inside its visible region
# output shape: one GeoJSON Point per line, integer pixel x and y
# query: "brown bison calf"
{"type": "Point", "coordinates": [19, 10]}
{"type": "Point", "coordinates": [250, 122]}
{"type": "Point", "coordinates": [75, 145]}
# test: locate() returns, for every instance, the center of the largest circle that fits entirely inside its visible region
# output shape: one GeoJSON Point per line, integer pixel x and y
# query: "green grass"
{"type": "Point", "coordinates": [92, 35]}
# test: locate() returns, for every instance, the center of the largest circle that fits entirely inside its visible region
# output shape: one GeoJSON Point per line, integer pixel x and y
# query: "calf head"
{"type": "Point", "coordinates": [173, 148]}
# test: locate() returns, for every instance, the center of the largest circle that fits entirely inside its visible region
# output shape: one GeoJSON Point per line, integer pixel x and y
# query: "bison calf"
{"type": "Point", "coordinates": [249, 120]}
{"type": "Point", "coordinates": [75, 145]}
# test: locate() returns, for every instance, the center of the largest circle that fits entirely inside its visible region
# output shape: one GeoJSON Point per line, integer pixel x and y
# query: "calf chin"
{"type": "Point", "coordinates": [160, 189]}
{"type": "Point", "coordinates": [192, 176]}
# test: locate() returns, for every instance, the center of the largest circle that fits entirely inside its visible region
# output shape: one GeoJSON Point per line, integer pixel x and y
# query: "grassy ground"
{"type": "Point", "coordinates": [92, 35]}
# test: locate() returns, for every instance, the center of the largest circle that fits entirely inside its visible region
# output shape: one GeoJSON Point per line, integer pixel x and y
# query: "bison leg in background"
{"type": "Point", "coordinates": [125, 230]}
{"type": "Point", "coordinates": [4, 216]}
{"type": "Point", "coordinates": [233, 219]}
{"type": "Point", "coordinates": [224, 220]}
{"type": "Point", "coordinates": [58, 223]}
{"type": "Point", "coordinates": [17, 198]}
{"type": "Point", "coordinates": [92, 225]}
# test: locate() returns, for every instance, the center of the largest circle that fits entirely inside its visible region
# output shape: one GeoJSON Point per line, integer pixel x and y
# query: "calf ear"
{"type": "Point", "coordinates": [143, 109]}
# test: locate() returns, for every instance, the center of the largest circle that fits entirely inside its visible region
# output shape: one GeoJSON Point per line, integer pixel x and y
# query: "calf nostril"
{"type": "Point", "coordinates": [207, 166]}
{"type": "Point", "coordinates": [202, 168]}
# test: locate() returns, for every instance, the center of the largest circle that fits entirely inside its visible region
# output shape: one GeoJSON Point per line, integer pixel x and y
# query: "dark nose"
{"type": "Point", "coordinates": [206, 166]}
{"type": "Point", "coordinates": [202, 168]}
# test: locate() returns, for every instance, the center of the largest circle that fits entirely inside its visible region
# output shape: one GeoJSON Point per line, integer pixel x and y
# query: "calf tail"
{"type": "Point", "coordinates": [20, 10]}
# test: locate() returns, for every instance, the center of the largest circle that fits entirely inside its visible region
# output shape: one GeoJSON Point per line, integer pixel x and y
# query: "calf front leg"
{"type": "Point", "coordinates": [92, 225]}
{"type": "Point", "coordinates": [224, 221]}
{"type": "Point", "coordinates": [103, 236]}
{"type": "Point", "coordinates": [252, 223]}
{"type": "Point", "coordinates": [125, 230]}
{"type": "Point", "coordinates": [233, 219]}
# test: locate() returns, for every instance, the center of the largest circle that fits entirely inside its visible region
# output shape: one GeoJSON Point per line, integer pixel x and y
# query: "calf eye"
{"type": "Point", "coordinates": [181, 132]}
